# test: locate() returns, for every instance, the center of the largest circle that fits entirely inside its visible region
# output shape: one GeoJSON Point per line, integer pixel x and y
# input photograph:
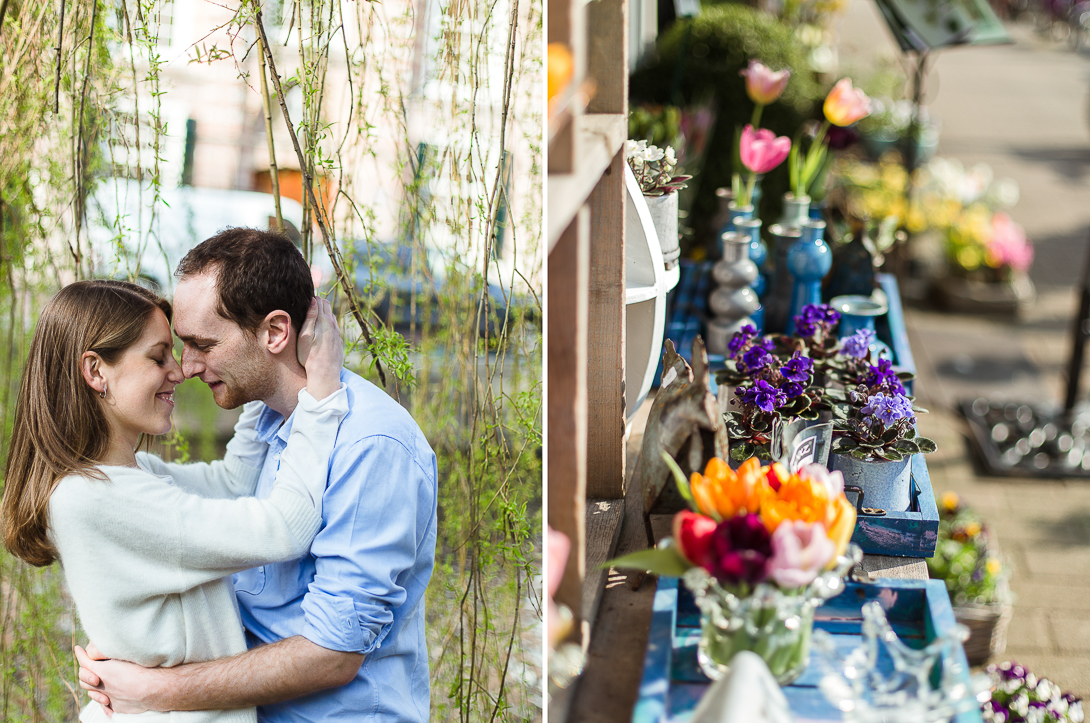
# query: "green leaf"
{"type": "Point", "coordinates": [682, 483]}
{"type": "Point", "coordinates": [860, 453]}
{"type": "Point", "coordinates": [741, 452]}
{"type": "Point", "coordinates": [891, 454]}
{"type": "Point", "coordinates": [927, 446]}
{"type": "Point", "coordinates": [809, 415]}
{"type": "Point", "coordinates": [920, 410]}
{"type": "Point", "coordinates": [910, 433]}
{"type": "Point", "coordinates": [658, 560]}
{"type": "Point", "coordinates": [843, 444]}
{"type": "Point", "coordinates": [907, 446]}
{"type": "Point", "coordinates": [906, 376]}
{"type": "Point", "coordinates": [759, 425]}
{"type": "Point", "coordinates": [890, 435]}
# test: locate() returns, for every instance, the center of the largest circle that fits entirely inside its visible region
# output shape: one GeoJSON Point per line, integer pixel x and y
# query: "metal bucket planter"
{"type": "Point", "coordinates": [886, 485]}
{"type": "Point", "coordinates": [664, 216]}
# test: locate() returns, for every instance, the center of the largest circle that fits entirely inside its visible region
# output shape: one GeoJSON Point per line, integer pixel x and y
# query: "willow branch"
{"type": "Point", "coordinates": [57, 85]}
{"type": "Point", "coordinates": [274, 173]}
{"type": "Point", "coordinates": [3, 12]}
{"type": "Point", "coordinates": [334, 257]}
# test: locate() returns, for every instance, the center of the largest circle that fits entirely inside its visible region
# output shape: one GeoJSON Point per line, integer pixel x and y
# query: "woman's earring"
{"type": "Point", "coordinates": [103, 394]}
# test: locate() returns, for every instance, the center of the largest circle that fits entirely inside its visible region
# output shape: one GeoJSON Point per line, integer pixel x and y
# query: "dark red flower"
{"type": "Point", "coordinates": [741, 547]}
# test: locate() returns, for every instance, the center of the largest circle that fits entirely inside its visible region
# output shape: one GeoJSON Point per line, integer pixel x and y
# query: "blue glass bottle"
{"type": "Point", "coordinates": [808, 261]}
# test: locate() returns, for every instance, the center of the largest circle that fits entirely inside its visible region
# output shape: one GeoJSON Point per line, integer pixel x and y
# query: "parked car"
{"type": "Point", "coordinates": [385, 273]}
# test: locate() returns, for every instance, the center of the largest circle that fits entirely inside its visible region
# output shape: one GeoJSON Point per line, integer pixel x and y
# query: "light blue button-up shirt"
{"type": "Point", "coordinates": [361, 588]}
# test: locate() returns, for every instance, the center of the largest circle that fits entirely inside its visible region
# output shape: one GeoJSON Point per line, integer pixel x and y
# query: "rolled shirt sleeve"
{"type": "Point", "coordinates": [379, 505]}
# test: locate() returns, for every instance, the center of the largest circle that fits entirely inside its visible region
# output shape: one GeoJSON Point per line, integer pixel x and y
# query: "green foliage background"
{"type": "Point", "coordinates": [477, 397]}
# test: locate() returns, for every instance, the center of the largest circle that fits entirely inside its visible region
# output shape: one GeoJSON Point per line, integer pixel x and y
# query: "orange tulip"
{"type": "Point", "coordinates": [845, 105]}
{"type": "Point", "coordinates": [839, 525]}
{"type": "Point", "coordinates": [797, 499]}
{"type": "Point", "coordinates": [722, 493]}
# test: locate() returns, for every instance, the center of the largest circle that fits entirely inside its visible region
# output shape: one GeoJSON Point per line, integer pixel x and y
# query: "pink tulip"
{"type": "Point", "coordinates": [764, 85]}
{"type": "Point", "coordinates": [761, 150]}
{"type": "Point", "coordinates": [557, 553]}
{"type": "Point", "coordinates": [1009, 245]}
{"type": "Point", "coordinates": [800, 550]}
{"type": "Point", "coordinates": [845, 105]}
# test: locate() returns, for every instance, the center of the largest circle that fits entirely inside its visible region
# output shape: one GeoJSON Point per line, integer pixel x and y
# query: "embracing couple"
{"type": "Point", "coordinates": [324, 507]}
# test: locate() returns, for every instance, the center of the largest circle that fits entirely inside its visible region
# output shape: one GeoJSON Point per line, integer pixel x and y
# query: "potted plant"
{"type": "Point", "coordinates": [773, 384]}
{"type": "Point", "coordinates": [760, 549]}
{"type": "Point", "coordinates": [654, 169]}
{"type": "Point", "coordinates": [967, 560]}
{"type": "Point", "coordinates": [874, 436]}
{"type": "Point", "coordinates": [1019, 696]}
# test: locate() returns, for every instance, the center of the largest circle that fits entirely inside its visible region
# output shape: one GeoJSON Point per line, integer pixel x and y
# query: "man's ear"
{"type": "Point", "coordinates": [90, 365]}
{"type": "Point", "coordinates": [278, 332]}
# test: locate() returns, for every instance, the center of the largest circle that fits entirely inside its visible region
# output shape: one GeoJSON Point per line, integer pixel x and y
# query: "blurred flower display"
{"type": "Point", "coordinates": [1019, 696]}
{"type": "Point", "coordinates": [963, 559]}
{"type": "Point", "coordinates": [966, 207]}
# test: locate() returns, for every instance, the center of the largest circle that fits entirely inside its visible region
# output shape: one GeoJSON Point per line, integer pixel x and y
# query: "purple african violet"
{"type": "Point", "coordinates": [741, 338]}
{"type": "Point", "coordinates": [762, 395]}
{"type": "Point", "coordinates": [888, 408]}
{"type": "Point", "coordinates": [882, 375]}
{"type": "Point", "coordinates": [797, 368]}
{"type": "Point", "coordinates": [858, 344]}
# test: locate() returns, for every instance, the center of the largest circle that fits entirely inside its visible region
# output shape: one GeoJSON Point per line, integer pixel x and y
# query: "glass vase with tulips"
{"type": "Point", "coordinates": [760, 548]}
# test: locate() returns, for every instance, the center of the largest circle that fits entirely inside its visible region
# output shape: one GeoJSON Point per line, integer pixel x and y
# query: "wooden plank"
{"type": "Point", "coordinates": [607, 55]}
{"type": "Point", "coordinates": [603, 532]}
{"type": "Point", "coordinates": [597, 140]}
{"type": "Point", "coordinates": [606, 337]}
{"type": "Point", "coordinates": [609, 685]}
{"type": "Point", "coordinates": [565, 452]}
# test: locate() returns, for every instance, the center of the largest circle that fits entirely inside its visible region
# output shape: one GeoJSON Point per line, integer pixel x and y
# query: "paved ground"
{"type": "Point", "coordinates": [1023, 110]}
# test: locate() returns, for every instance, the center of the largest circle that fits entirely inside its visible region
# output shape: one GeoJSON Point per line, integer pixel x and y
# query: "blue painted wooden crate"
{"type": "Point", "coordinates": [672, 685]}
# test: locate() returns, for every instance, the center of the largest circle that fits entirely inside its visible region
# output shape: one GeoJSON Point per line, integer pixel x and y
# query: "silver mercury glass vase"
{"type": "Point", "coordinates": [732, 302]}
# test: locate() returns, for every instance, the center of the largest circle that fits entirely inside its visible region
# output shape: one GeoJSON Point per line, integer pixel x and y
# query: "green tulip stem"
{"type": "Point", "coordinates": [755, 121]}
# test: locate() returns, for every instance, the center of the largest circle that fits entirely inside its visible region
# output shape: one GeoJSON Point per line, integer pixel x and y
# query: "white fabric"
{"type": "Point", "coordinates": [145, 559]}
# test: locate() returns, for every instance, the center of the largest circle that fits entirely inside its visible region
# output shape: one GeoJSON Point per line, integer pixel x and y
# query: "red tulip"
{"type": "Point", "coordinates": [693, 537]}
{"type": "Point", "coordinates": [761, 150]}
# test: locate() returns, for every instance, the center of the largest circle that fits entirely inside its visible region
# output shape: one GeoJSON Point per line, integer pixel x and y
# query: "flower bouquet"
{"type": "Point", "coordinates": [760, 548]}
{"type": "Point", "coordinates": [1019, 696]}
{"type": "Point", "coordinates": [967, 560]}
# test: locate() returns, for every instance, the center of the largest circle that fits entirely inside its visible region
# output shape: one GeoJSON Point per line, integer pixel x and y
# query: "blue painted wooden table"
{"type": "Point", "coordinates": [673, 683]}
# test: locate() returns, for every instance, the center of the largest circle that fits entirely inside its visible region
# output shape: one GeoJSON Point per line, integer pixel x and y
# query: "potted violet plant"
{"type": "Point", "coordinates": [874, 429]}
{"type": "Point", "coordinates": [654, 169]}
{"type": "Point", "coordinates": [773, 385]}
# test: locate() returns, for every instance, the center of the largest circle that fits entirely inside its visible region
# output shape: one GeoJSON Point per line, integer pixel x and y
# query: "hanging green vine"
{"type": "Point", "coordinates": [416, 131]}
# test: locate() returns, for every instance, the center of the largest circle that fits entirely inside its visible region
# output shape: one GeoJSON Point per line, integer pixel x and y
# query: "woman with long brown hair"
{"type": "Point", "coordinates": [145, 555]}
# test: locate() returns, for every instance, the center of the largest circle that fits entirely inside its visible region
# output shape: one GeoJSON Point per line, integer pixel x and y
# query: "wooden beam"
{"type": "Point", "coordinates": [566, 444]}
{"type": "Point", "coordinates": [607, 55]}
{"type": "Point", "coordinates": [606, 341]}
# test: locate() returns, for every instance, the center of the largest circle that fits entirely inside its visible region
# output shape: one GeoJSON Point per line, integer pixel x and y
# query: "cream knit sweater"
{"type": "Point", "coordinates": [145, 555]}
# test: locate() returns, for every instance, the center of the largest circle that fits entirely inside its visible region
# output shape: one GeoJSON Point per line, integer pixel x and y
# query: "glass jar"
{"type": "Point", "coordinates": [773, 623]}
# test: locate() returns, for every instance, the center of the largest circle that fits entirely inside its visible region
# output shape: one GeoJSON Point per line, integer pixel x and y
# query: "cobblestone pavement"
{"type": "Point", "coordinates": [1023, 110]}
